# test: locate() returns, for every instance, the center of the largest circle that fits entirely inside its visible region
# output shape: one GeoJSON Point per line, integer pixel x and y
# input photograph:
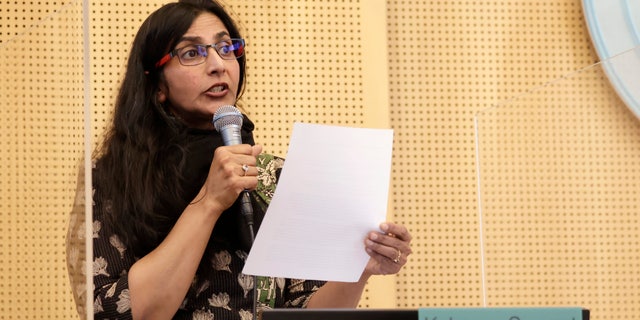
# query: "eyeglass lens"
{"type": "Point", "coordinates": [196, 54]}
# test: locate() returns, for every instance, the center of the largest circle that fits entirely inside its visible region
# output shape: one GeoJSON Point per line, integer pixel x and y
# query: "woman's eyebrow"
{"type": "Point", "coordinates": [222, 34]}
{"type": "Point", "coordinates": [195, 39]}
{"type": "Point", "coordinates": [190, 39]}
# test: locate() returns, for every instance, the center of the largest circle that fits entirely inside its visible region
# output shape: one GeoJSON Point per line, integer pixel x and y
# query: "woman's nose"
{"type": "Point", "coordinates": [214, 62]}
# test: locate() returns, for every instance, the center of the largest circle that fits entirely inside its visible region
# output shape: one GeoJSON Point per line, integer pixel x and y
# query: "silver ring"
{"type": "Point", "coordinates": [245, 168]}
{"type": "Point", "coordinates": [397, 259]}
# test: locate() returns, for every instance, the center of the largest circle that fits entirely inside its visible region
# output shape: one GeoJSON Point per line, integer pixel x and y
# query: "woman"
{"type": "Point", "coordinates": [166, 219]}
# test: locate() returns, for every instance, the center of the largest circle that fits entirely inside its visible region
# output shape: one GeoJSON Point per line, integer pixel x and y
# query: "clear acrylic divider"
{"type": "Point", "coordinates": [559, 193]}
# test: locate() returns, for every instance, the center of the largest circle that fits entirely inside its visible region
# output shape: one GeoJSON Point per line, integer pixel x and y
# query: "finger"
{"type": "Point", "coordinates": [390, 249]}
{"type": "Point", "coordinates": [256, 150]}
{"type": "Point", "coordinates": [391, 246]}
{"type": "Point", "coordinates": [389, 240]}
{"type": "Point", "coordinates": [249, 177]}
{"type": "Point", "coordinates": [246, 159]}
{"type": "Point", "coordinates": [247, 170]}
{"type": "Point", "coordinates": [396, 255]}
{"type": "Point", "coordinates": [395, 230]}
{"type": "Point", "coordinates": [393, 254]}
{"type": "Point", "coordinates": [240, 182]}
{"type": "Point", "coordinates": [231, 157]}
{"type": "Point", "coordinates": [384, 265]}
{"type": "Point", "coordinates": [240, 170]}
{"type": "Point", "coordinates": [245, 149]}
{"type": "Point", "coordinates": [250, 184]}
{"type": "Point", "coordinates": [246, 165]}
{"type": "Point", "coordinates": [399, 258]}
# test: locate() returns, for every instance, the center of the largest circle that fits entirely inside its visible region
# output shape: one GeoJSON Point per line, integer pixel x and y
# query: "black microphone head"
{"type": "Point", "coordinates": [225, 116]}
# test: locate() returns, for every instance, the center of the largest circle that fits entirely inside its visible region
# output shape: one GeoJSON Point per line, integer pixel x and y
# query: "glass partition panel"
{"type": "Point", "coordinates": [41, 143]}
{"type": "Point", "coordinates": [559, 183]}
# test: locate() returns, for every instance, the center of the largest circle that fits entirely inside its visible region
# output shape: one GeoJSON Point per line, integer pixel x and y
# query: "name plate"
{"type": "Point", "coordinates": [537, 313]}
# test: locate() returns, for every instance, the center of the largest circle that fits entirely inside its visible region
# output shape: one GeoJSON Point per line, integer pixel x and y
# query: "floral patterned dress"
{"type": "Point", "coordinates": [219, 289]}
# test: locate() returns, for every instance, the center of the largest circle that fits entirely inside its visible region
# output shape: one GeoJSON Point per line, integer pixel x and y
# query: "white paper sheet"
{"type": "Point", "coordinates": [333, 190]}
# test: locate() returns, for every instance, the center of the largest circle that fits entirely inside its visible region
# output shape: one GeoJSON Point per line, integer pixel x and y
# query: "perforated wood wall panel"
{"type": "Point", "coordinates": [423, 68]}
{"type": "Point", "coordinates": [560, 167]}
{"type": "Point", "coordinates": [450, 59]}
{"type": "Point", "coordinates": [41, 140]}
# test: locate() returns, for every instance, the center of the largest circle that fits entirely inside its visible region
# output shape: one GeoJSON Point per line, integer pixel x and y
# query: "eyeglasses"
{"type": "Point", "coordinates": [195, 54]}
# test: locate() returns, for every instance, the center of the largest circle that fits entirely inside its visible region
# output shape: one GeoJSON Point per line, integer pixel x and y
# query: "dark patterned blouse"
{"type": "Point", "coordinates": [219, 289]}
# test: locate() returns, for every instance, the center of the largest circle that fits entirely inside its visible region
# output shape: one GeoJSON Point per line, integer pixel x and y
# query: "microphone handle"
{"type": "Point", "coordinates": [247, 212]}
{"type": "Point", "coordinates": [231, 135]}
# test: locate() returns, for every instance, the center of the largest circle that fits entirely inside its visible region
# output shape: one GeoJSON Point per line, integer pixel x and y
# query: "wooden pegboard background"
{"type": "Point", "coordinates": [445, 61]}
{"type": "Point", "coordinates": [560, 167]}
{"type": "Point", "coordinates": [41, 142]}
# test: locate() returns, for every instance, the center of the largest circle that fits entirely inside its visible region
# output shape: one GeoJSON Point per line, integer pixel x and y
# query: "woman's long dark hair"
{"type": "Point", "coordinates": [140, 162]}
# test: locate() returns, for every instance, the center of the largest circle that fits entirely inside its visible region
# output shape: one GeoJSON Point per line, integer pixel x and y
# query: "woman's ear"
{"type": "Point", "coordinates": [161, 96]}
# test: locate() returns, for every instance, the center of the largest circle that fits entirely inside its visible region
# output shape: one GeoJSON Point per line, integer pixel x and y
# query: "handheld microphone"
{"type": "Point", "coordinates": [228, 122]}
